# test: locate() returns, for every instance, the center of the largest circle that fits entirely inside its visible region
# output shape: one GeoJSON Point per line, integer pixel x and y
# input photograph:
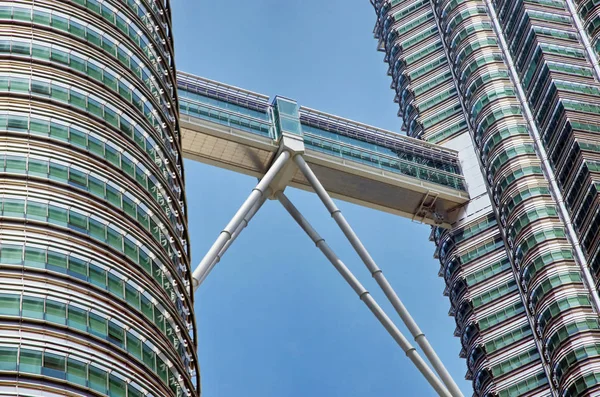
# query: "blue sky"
{"type": "Point", "coordinates": [274, 318]}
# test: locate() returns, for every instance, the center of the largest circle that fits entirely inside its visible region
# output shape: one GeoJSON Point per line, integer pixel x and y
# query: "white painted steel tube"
{"type": "Point", "coordinates": [204, 267]}
{"type": "Point", "coordinates": [364, 295]}
{"type": "Point", "coordinates": [379, 277]}
{"type": "Point", "coordinates": [236, 233]}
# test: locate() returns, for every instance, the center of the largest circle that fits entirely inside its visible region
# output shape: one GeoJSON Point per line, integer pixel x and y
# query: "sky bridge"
{"type": "Point", "coordinates": [284, 144]}
{"type": "Point", "coordinates": [236, 129]}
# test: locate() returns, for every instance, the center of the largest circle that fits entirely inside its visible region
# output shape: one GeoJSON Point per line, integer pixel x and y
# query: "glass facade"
{"type": "Point", "coordinates": [518, 77]}
{"type": "Point", "coordinates": [250, 112]}
{"type": "Point", "coordinates": [94, 249]}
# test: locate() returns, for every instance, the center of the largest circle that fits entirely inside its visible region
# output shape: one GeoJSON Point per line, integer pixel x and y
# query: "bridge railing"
{"type": "Point", "coordinates": [253, 113]}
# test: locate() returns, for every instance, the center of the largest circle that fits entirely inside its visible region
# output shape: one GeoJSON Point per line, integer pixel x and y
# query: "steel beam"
{"type": "Point", "coordinates": [366, 297]}
{"type": "Point", "coordinates": [236, 233]}
{"type": "Point", "coordinates": [258, 193]}
{"type": "Point", "coordinates": [377, 274]}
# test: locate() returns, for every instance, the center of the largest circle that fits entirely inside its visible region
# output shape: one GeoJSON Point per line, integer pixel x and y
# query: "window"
{"type": "Point", "coordinates": [19, 85]}
{"type": "Point", "coordinates": [98, 276]}
{"type": "Point", "coordinates": [95, 107]}
{"type": "Point", "coordinates": [14, 208]}
{"type": "Point", "coordinates": [37, 211]}
{"type": "Point", "coordinates": [112, 155]}
{"type": "Point", "coordinates": [97, 229]}
{"type": "Point", "coordinates": [78, 178]}
{"type": "Point", "coordinates": [8, 358]}
{"type": "Point", "coordinates": [98, 325]}
{"type": "Point", "coordinates": [133, 392]}
{"type": "Point", "coordinates": [77, 268]}
{"type": "Point", "coordinates": [97, 379]}
{"type": "Point", "coordinates": [16, 165]}
{"type": "Point", "coordinates": [35, 257]}
{"type": "Point", "coordinates": [77, 29]}
{"type": "Point", "coordinates": [59, 22]}
{"type": "Point", "coordinates": [147, 308]}
{"type": "Point", "coordinates": [113, 196]}
{"type": "Point", "coordinates": [116, 334]}
{"type": "Point", "coordinates": [117, 386]}
{"type": "Point", "coordinates": [33, 307]}
{"type": "Point", "coordinates": [94, 71]}
{"type": "Point", "coordinates": [109, 46]}
{"type": "Point", "coordinates": [78, 221]}
{"type": "Point", "coordinates": [57, 215]}
{"type": "Point", "coordinates": [76, 372]}
{"type": "Point", "coordinates": [96, 186]}
{"type": "Point", "coordinates": [56, 312]}
{"type": "Point", "coordinates": [110, 81]}
{"type": "Point", "coordinates": [501, 315]}
{"type": "Point", "coordinates": [93, 36]}
{"type": "Point", "coordinates": [57, 262]}
{"type": "Point", "coordinates": [30, 361]}
{"type": "Point", "coordinates": [59, 56]}
{"type": "Point", "coordinates": [128, 166]}
{"type": "Point", "coordinates": [11, 254]}
{"type": "Point", "coordinates": [149, 357]}
{"type": "Point", "coordinates": [115, 285]}
{"type": "Point", "coordinates": [54, 366]}
{"type": "Point", "coordinates": [515, 362]}
{"type": "Point", "coordinates": [58, 131]}
{"type": "Point", "coordinates": [38, 168]}
{"type": "Point", "coordinates": [115, 239]}
{"type": "Point", "coordinates": [132, 296]}
{"type": "Point", "coordinates": [39, 127]}
{"type": "Point", "coordinates": [9, 305]}
{"type": "Point", "coordinates": [508, 338]}
{"type": "Point", "coordinates": [131, 250]}
{"type": "Point", "coordinates": [163, 370]}
{"type": "Point", "coordinates": [77, 99]}
{"type": "Point", "coordinates": [526, 385]}
{"type": "Point", "coordinates": [77, 318]}
{"type": "Point", "coordinates": [134, 345]}
{"type": "Point", "coordinates": [129, 206]}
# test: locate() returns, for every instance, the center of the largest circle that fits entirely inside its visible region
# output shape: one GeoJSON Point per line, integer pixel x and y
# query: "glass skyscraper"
{"type": "Point", "coordinates": [95, 296]}
{"type": "Point", "coordinates": [513, 85]}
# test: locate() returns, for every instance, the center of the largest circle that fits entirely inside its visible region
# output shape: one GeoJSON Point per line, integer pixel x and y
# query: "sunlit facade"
{"type": "Point", "coordinates": [513, 85]}
{"type": "Point", "coordinates": [94, 265]}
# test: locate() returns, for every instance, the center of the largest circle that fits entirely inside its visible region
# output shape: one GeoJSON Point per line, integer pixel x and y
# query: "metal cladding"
{"type": "Point", "coordinates": [520, 79]}
{"type": "Point", "coordinates": [95, 296]}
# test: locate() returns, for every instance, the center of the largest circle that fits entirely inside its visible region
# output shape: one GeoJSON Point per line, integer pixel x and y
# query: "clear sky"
{"type": "Point", "coordinates": [274, 318]}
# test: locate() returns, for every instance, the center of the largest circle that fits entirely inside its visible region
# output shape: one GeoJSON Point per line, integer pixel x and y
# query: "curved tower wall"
{"type": "Point", "coordinates": [480, 280]}
{"type": "Point", "coordinates": [94, 264]}
{"type": "Point", "coordinates": [523, 310]}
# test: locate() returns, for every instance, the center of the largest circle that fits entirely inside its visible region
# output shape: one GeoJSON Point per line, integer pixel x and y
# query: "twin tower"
{"type": "Point", "coordinates": [514, 86]}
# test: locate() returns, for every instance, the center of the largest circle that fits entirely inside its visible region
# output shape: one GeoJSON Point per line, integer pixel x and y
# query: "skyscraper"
{"type": "Point", "coordinates": [94, 270]}
{"type": "Point", "coordinates": [513, 85]}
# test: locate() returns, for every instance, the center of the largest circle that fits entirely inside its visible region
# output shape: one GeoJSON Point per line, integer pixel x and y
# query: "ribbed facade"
{"type": "Point", "coordinates": [518, 80]}
{"type": "Point", "coordinates": [94, 270]}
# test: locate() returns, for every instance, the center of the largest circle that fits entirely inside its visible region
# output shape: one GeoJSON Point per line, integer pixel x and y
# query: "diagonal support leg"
{"type": "Point", "coordinates": [236, 233]}
{"type": "Point", "coordinates": [364, 295]}
{"type": "Point", "coordinates": [206, 265]}
{"type": "Point", "coordinates": [379, 277]}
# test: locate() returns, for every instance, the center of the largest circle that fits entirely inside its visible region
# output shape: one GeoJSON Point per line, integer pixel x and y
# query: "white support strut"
{"type": "Point", "coordinates": [258, 193]}
{"type": "Point", "coordinates": [377, 274]}
{"type": "Point", "coordinates": [257, 206]}
{"type": "Point", "coordinates": [366, 297]}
